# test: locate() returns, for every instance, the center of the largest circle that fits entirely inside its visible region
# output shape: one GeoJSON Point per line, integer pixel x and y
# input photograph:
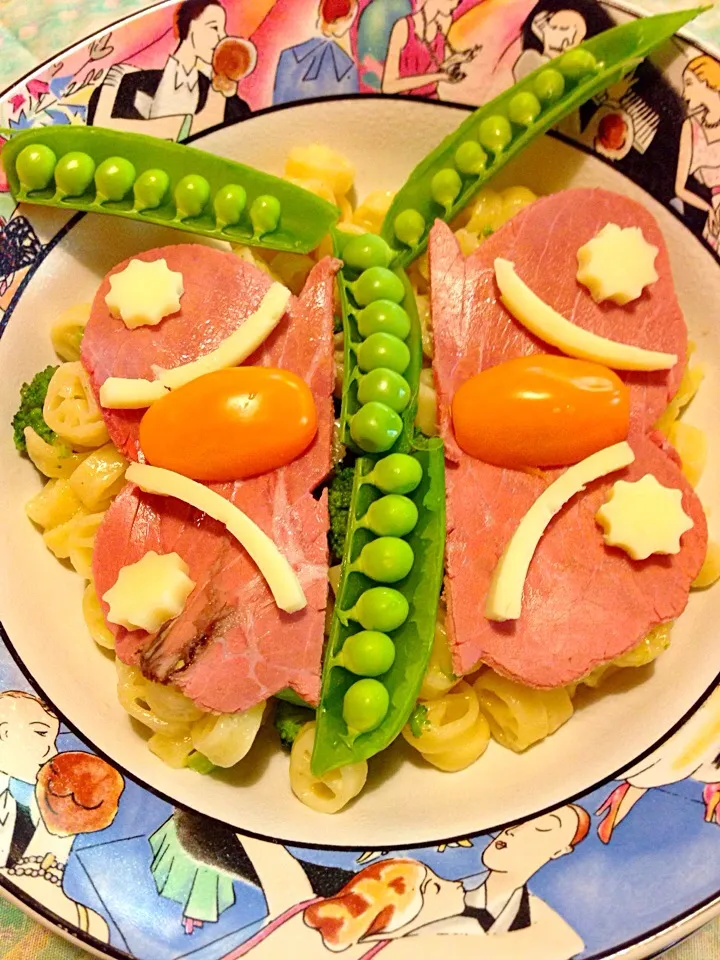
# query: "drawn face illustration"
{"type": "Point", "coordinates": [27, 737]}
{"type": "Point", "coordinates": [206, 32]}
{"type": "Point", "coordinates": [559, 32]}
{"type": "Point", "coordinates": [701, 99]}
{"type": "Point", "coordinates": [441, 898]}
{"type": "Point", "coordinates": [524, 849]}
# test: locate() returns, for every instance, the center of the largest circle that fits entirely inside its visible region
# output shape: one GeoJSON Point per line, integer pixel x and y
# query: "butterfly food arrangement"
{"type": "Point", "coordinates": [425, 479]}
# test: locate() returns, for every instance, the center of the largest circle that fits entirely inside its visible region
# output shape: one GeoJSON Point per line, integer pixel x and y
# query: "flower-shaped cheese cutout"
{"type": "Point", "coordinates": [149, 592]}
{"type": "Point", "coordinates": [143, 293]}
{"type": "Point", "coordinates": [643, 518]}
{"type": "Point", "coordinates": [617, 264]}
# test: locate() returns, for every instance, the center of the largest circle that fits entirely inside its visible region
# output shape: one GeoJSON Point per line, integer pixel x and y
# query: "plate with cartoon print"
{"type": "Point", "coordinates": [555, 797]}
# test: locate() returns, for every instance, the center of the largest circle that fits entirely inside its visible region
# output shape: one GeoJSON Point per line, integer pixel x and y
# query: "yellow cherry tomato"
{"type": "Point", "coordinates": [540, 411]}
{"type": "Point", "coordinates": [231, 424]}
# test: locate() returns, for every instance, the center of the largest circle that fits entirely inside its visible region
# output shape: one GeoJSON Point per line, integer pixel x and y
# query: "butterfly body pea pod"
{"type": "Point", "coordinates": [503, 127]}
{"type": "Point", "coordinates": [383, 625]}
{"type": "Point", "coordinates": [138, 177]}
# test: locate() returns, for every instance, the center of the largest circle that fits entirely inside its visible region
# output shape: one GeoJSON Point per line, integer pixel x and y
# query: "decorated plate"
{"type": "Point", "coordinates": [522, 761]}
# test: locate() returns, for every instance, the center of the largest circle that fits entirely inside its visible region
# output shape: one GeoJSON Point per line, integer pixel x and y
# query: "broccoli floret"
{"type": "Point", "coordinates": [289, 720]}
{"type": "Point", "coordinates": [418, 719]}
{"type": "Point", "coordinates": [30, 412]}
{"type": "Point", "coordinates": [339, 497]}
{"type": "Point", "coordinates": [199, 763]}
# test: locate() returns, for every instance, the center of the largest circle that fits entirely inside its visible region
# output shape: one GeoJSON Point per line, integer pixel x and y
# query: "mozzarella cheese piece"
{"type": "Point", "coordinates": [617, 264]}
{"type": "Point", "coordinates": [280, 576]}
{"type": "Point", "coordinates": [238, 346]}
{"type": "Point", "coordinates": [126, 393]}
{"type": "Point", "coordinates": [144, 293]}
{"type": "Point", "coordinates": [149, 592]}
{"type": "Point", "coordinates": [545, 322]}
{"type": "Point", "coordinates": [504, 599]}
{"type": "Point", "coordinates": [643, 518]}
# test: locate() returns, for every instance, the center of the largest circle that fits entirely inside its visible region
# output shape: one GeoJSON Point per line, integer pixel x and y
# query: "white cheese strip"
{"type": "Point", "coordinates": [127, 393]}
{"type": "Point", "coordinates": [280, 576]}
{"type": "Point", "coordinates": [504, 599]}
{"type": "Point", "coordinates": [540, 318]}
{"type": "Point", "coordinates": [235, 348]}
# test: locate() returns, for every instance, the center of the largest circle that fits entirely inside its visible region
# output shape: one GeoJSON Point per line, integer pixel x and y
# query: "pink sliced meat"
{"type": "Point", "coordinates": [583, 602]}
{"type": "Point", "coordinates": [232, 647]}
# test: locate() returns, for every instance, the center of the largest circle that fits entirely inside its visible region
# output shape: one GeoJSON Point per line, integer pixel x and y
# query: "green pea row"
{"type": "Point", "coordinates": [446, 179]}
{"type": "Point", "coordinates": [75, 172]}
{"type": "Point", "coordinates": [382, 355]}
{"type": "Point", "coordinates": [379, 610]}
{"type": "Point", "coordinates": [142, 178]}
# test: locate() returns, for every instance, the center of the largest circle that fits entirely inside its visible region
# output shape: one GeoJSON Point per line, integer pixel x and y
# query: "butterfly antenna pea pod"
{"type": "Point", "coordinates": [382, 347]}
{"type": "Point", "coordinates": [443, 183]}
{"type": "Point", "coordinates": [383, 625]}
{"type": "Point", "coordinates": [168, 184]}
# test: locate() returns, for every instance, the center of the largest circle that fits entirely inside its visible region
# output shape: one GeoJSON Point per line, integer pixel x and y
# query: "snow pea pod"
{"type": "Point", "coordinates": [394, 431]}
{"type": "Point", "coordinates": [502, 128]}
{"type": "Point", "coordinates": [335, 744]}
{"type": "Point", "coordinates": [163, 183]}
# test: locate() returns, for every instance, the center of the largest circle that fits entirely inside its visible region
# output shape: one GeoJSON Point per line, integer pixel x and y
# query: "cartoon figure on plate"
{"type": "Point", "coordinates": [419, 55]}
{"type": "Point", "coordinates": [691, 753]}
{"type": "Point", "coordinates": [700, 143]}
{"type": "Point", "coordinates": [554, 26]}
{"type": "Point", "coordinates": [321, 66]}
{"type": "Point", "coordinates": [75, 793]}
{"type": "Point", "coordinates": [195, 90]}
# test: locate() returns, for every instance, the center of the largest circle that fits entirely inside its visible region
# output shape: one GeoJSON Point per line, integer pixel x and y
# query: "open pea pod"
{"type": "Point", "coordinates": [143, 178]}
{"type": "Point", "coordinates": [393, 428]}
{"type": "Point", "coordinates": [335, 745]}
{"type": "Point", "coordinates": [442, 184]}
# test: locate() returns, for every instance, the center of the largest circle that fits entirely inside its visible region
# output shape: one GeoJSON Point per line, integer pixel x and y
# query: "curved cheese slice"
{"type": "Point", "coordinates": [235, 348]}
{"type": "Point", "coordinates": [128, 393]}
{"type": "Point", "coordinates": [540, 319]}
{"type": "Point", "coordinates": [504, 600]}
{"type": "Point", "coordinates": [280, 576]}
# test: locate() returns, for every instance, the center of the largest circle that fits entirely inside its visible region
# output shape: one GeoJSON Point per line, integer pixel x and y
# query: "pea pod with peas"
{"type": "Point", "coordinates": [386, 606]}
{"type": "Point", "coordinates": [163, 183]}
{"type": "Point", "coordinates": [443, 183]}
{"type": "Point", "coordinates": [382, 349]}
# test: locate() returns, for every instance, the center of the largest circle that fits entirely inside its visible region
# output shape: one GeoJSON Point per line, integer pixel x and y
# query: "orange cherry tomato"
{"type": "Point", "coordinates": [540, 411]}
{"type": "Point", "coordinates": [230, 424]}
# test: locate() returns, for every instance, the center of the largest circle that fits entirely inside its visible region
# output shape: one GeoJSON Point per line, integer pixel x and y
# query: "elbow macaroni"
{"type": "Point", "coordinates": [67, 331]}
{"type": "Point", "coordinates": [520, 716]}
{"type": "Point", "coordinates": [326, 794]}
{"type": "Point", "coordinates": [71, 409]}
{"type": "Point", "coordinates": [456, 732]}
{"type": "Point", "coordinates": [95, 618]}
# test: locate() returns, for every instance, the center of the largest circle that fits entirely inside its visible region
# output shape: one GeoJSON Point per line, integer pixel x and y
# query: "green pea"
{"type": "Point", "coordinates": [445, 187]}
{"type": "Point", "coordinates": [365, 705]}
{"type": "Point", "coordinates": [384, 316]}
{"type": "Point", "coordinates": [375, 427]}
{"type": "Point", "coordinates": [524, 109]}
{"type": "Point", "coordinates": [577, 63]}
{"type": "Point", "coordinates": [369, 250]}
{"type": "Point", "coordinates": [229, 204]}
{"type": "Point", "coordinates": [386, 386]}
{"type": "Point", "coordinates": [383, 350]}
{"type": "Point", "coordinates": [264, 214]}
{"type": "Point", "coordinates": [387, 560]}
{"type": "Point", "coordinates": [380, 608]}
{"type": "Point", "coordinates": [470, 158]}
{"type": "Point", "coordinates": [368, 653]}
{"type": "Point", "coordinates": [191, 195]}
{"type": "Point", "coordinates": [549, 85]}
{"type": "Point", "coordinates": [35, 166]}
{"type": "Point", "coordinates": [150, 189]}
{"type": "Point", "coordinates": [114, 179]}
{"type": "Point", "coordinates": [73, 174]}
{"type": "Point", "coordinates": [390, 516]}
{"type": "Point", "coordinates": [495, 133]}
{"type": "Point", "coordinates": [409, 226]}
{"type": "Point", "coordinates": [377, 283]}
{"type": "Point", "coordinates": [397, 473]}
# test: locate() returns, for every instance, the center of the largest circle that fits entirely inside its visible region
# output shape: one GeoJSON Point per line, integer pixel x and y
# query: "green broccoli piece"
{"type": "Point", "coordinates": [30, 412]}
{"type": "Point", "coordinates": [199, 763]}
{"type": "Point", "coordinates": [419, 719]}
{"type": "Point", "coordinates": [339, 497]}
{"type": "Point", "coordinates": [289, 720]}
